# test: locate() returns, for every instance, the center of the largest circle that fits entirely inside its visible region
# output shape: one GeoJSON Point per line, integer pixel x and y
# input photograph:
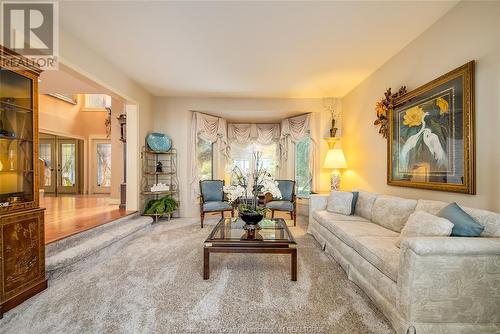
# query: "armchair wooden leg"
{"type": "Point", "coordinates": [202, 217]}
{"type": "Point", "coordinates": [295, 218]}
{"type": "Point", "coordinates": [291, 214]}
{"type": "Point", "coordinates": [222, 214]}
{"type": "Point", "coordinates": [232, 213]}
{"type": "Point", "coordinates": [272, 214]}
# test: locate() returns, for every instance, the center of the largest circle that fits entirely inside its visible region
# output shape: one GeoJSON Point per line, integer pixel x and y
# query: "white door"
{"type": "Point", "coordinates": [101, 166]}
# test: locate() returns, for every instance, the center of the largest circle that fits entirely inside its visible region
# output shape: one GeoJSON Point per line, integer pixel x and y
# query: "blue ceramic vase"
{"type": "Point", "coordinates": [159, 142]}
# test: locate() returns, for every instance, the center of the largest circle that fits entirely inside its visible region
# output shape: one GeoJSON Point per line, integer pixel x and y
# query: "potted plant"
{"type": "Point", "coordinates": [161, 206]}
{"type": "Point", "coordinates": [260, 181]}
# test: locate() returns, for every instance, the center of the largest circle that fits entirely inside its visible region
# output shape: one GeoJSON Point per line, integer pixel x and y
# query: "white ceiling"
{"type": "Point", "coordinates": [249, 49]}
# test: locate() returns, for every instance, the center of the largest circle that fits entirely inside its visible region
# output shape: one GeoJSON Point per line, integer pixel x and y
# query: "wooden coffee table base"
{"type": "Point", "coordinates": [258, 250]}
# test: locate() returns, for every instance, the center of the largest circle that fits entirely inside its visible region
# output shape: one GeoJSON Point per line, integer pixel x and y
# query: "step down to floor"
{"type": "Point", "coordinates": [68, 251]}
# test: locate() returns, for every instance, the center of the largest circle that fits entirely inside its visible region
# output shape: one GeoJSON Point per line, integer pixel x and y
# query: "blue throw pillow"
{"type": "Point", "coordinates": [355, 195]}
{"type": "Point", "coordinates": [463, 224]}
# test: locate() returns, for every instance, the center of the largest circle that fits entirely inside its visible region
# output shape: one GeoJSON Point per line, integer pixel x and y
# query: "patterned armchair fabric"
{"type": "Point", "coordinates": [287, 201]}
{"type": "Point", "coordinates": [212, 198]}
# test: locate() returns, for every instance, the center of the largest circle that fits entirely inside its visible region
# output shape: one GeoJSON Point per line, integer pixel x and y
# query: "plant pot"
{"type": "Point", "coordinates": [251, 218]}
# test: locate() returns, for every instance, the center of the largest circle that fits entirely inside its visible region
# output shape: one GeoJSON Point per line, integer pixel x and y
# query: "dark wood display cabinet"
{"type": "Point", "coordinates": [22, 239]}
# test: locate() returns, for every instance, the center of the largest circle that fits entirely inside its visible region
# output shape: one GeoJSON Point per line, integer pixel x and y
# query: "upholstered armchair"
{"type": "Point", "coordinates": [212, 198]}
{"type": "Point", "coordinates": [287, 202]}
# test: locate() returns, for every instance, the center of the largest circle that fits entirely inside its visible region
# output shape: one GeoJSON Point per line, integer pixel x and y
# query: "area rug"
{"type": "Point", "coordinates": [153, 284]}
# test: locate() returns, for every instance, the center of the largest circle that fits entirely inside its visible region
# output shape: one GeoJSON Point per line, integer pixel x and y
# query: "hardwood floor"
{"type": "Point", "coordinates": [69, 215]}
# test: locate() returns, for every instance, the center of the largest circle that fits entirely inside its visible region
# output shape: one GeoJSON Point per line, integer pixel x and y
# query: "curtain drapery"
{"type": "Point", "coordinates": [212, 129]}
{"type": "Point", "coordinates": [264, 134]}
{"type": "Point", "coordinates": [216, 131]}
{"type": "Point", "coordinates": [293, 130]}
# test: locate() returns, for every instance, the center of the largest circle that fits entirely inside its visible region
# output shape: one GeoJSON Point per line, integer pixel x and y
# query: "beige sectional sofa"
{"type": "Point", "coordinates": [430, 284]}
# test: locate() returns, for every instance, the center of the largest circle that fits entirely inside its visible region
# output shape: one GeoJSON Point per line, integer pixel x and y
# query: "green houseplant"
{"type": "Point", "coordinates": [161, 206]}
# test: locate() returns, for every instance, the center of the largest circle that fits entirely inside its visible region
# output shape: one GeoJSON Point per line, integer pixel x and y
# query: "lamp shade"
{"type": "Point", "coordinates": [335, 159]}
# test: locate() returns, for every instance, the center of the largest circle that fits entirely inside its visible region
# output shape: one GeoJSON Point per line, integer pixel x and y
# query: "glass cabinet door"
{"type": "Point", "coordinates": [16, 138]}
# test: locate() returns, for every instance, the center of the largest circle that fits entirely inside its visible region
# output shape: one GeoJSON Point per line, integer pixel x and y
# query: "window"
{"type": "Point", "coordinates": [97, 102]}
{"type": "Point", "coordinates": [45, 153]}
{"type": "Point", "coordinates": [242, 155]}
{"type": "Point", "coordinates": [103, 164]}
{"type": "Point", "coordinates": [204, 151]}
{"type": "Point", "coordinates": [302, 176]}
{"type": "Point", "coordinates": [68, 164]}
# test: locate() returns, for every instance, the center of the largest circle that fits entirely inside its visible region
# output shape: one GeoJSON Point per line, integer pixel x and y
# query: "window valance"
{"type": "Point", "coordinates": [264, 134]}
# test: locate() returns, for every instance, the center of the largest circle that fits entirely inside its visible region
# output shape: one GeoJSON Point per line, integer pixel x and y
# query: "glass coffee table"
{"type": "Point", "coordinates": [270, 236]}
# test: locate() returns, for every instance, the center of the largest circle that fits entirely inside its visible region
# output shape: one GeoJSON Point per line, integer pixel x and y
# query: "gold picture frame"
{"type": "Point", "coordinates": [431, 142]}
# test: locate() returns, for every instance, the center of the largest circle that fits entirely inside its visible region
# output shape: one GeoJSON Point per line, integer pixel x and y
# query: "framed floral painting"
{"type": "Point", "coordinates": [432, 135]}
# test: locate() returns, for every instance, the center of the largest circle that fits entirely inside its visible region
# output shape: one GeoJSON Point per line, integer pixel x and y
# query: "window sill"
{"type": "Point", "coordinates": [94, 109]}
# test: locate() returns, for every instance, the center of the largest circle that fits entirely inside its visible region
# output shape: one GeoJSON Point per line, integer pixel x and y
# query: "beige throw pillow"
{"type": "Point", "coordinates": [423, 224]}
{"type": "Point", "coordinates": [340, 202]}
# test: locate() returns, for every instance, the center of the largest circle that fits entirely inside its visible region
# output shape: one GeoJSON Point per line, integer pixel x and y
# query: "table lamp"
{"type": "Point", "coordinates": [335, 161]}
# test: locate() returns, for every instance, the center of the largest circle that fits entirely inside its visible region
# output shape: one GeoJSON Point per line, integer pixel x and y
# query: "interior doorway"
{"type": "Point", "coordinates": [60, 164]}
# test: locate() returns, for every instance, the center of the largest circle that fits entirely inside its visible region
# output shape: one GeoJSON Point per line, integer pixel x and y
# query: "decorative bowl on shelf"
{"type": "Point", "coordinates": [159, 142]}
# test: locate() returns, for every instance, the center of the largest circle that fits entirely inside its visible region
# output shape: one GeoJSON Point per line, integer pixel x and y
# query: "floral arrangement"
{"type": "Point", "coordinates": [262, 182]}
{"type": "Point", "coordinates": [382, 108]}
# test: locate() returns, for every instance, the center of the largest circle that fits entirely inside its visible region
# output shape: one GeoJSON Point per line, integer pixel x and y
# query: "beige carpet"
{"type": "Point", "coordinates": [154, 284]}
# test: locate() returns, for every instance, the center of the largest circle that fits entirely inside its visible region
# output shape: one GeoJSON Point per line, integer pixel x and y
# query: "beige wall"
{"type": "Point", "coordinates": [469, 31]}
{"type": "Point", "coordinates": [83, 60]}
{"type": "Point", "coordinates": [64, 119]}
{"type": "Point", "coordinates": [60, 118]}
{"type": "Point", "coordinates": [173, 117]}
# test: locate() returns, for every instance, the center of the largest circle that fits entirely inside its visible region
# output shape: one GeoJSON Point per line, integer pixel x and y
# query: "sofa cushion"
{"type": "Point", "coordinates": [340, 202]}
{"type": "Point", "coordinates": [345, 230]}
{"type": "Point", "coordinates": [463, 224]}
{"type": "Point", "coordinates": [392, 212]}
{"type": "Point", "coordinates": [429, 206]}
{"type": "Point", "coordinates": [364, 204]}
{"type": "Point", "coordinates": [490, 221]}
{"type": "Point", "coordinates": [280, 205]}
{"type": "Point", "coordinates": [216, 206]}
{"type": "Point", "coordinates": [423, 224]}
{"type": "Point", "coordinates": [324, 216]}
{"type": "Point", "coordinates": [381, 252]}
